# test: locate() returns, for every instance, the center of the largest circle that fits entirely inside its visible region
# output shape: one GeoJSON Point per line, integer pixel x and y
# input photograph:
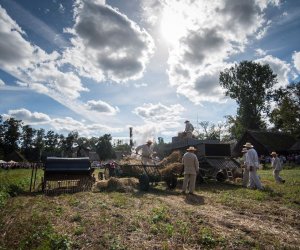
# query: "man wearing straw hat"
{"type": "Point", "coordinates": [252, 164]}
{"type": "Point", "coordinates": [245, 169]}
{"type": "Point", "coordinates": [189, 128]}
{"type": "Point", "coordinates": [191, 168]}
{"type": "Point", "coordinates": [147, 152]}
{"type": "Point", "coordinates": [277, 166]}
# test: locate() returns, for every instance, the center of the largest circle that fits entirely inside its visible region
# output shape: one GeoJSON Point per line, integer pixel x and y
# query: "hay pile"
{"type": "Point", "coordinates": [172, 168]}
{"type": "Point", "coordinates": [131, 170]}
{"type": "Point", "coordinates": [172, 164]}
{"type": "Point", "coordinates": [129, 161]}
{"type": "Point", "coordinates": [124, 185]}
{"type": "Point", "coordinates": [173, 157]}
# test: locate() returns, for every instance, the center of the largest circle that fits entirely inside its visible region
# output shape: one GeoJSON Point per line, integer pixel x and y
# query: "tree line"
{"type": "Point", "coordinates": [36, 144]}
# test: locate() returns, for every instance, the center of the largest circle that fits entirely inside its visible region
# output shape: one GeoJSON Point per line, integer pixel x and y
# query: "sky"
{"type": "Point", "coordinates": [99, 67]}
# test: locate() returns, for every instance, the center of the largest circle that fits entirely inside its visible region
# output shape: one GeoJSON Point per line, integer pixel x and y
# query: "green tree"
{"type": "Point", "coordinates": [234, 127]}
{"type": "Point", "coordinates": [1, 138]}
{"type": "Point", "coordinates": [12, 135]}
{"type": "Point", "coordinates": [104, 148]}
{"type": "Point", "coordinates": [39, 144]}
{"type": "Point", "coordinates": [250, 85]}
{"type": "Point", "coordinates": [52, 146]}
{"type": "Point", "coordinates": [69, 144]}
{"type": "Point", "coordinates": [27, 142]}
{"type": "Point", "coordinates": [211, 131]}
{"type": "Point", "coordinates": [122, 147]}
{"type": "Point", "coordinates": [286, 115]}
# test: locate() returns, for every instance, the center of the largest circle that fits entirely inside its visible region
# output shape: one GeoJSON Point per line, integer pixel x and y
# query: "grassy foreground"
{"type": "Point", "coordinates": [219, 216]}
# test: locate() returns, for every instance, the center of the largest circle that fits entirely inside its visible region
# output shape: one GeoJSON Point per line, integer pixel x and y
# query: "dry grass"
{"type": "Point", "coordinates": [219, 216]}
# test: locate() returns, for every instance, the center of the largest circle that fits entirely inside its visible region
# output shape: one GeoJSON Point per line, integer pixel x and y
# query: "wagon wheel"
{"type": "Point", "coordinates": [171, 182]}
{"type": "Point", "coordinates": [220, 177]}
{"type": "Point", "coordinates": [144, 182]}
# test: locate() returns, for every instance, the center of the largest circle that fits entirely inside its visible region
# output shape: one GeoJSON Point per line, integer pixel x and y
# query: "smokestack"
{"type": "Point", "coordinates": [130, 136]}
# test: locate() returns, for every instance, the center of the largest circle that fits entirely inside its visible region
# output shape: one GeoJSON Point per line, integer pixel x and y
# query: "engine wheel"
{"type": "Point", "coordinates": [220, 177]}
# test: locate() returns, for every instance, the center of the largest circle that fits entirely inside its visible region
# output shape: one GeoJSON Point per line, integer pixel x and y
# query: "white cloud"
{"type": "Point", "coordinates": [279, 67]}
{"type": "Point", "coordinates": [214, 32]}
{"type": "Point", "coordinates": [14, 50]}
{"type": "Point", "coordinates": [61, 8]}
{"type": "Point", "coordinates": [33, 65]}
{"type": "Point", "coordinates": [29, 117]}
{"type": "Point", "coordinates": [140, 85]}
{"type": "Point", "coordinates": [102, 107]}
{"type": "Point", "coordinates": [36, 69]}
{"type": "Point", "coordinates": [208, 33]}
{"type": "Point", "coordinates": [106, 44]}
{"type": "Point", "coordinates": [61, 125]}
{"type": "Point", "coordinates": [158, 119]}
{"type": "Point", "coordinates": [260, 52]}
{"type": "Point", "coordinates": [159, 113]}
{"type": "Point", "coordinates": [296, 60]}
{"type": "Point", "coordinates": [151, 10]}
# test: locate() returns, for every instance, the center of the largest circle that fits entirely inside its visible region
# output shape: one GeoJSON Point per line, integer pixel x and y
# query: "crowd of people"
{"type": "Point", "coordinates": [19, 165]}
{"type": "Point", "coordinates": [291, 159]}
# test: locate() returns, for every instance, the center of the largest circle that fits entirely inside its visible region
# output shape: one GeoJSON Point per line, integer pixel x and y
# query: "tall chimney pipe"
{"type": "Point", "coordinates": [130, 136]}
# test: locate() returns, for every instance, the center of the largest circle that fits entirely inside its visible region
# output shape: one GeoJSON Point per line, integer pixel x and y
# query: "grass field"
{"type": "Point", "coordinates": [219, 216]}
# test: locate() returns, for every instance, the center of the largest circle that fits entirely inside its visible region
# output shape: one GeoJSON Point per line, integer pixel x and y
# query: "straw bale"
{"type": "Point", "coordinates": [117, 184]}
{"type": "Point", "coordinates": [122, 184]}
{"type": "Point", "coordinates": [100, 185]}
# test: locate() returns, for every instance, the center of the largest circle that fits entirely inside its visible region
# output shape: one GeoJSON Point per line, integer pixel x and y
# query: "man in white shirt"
{"type": "Point", "coordinates": [189, 128]}
{"type": "Point", "coordinates": [147, 152]}
{"type": "Point", "coordinates": [252, 163]}
{"type": "Point", "coordinates": [277, 166]}
{"type": "Point", "coordinates": [191, 168]}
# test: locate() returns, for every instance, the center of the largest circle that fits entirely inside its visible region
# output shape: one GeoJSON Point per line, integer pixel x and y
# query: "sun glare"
{"type": "Point", "coordinates": [172, 26]}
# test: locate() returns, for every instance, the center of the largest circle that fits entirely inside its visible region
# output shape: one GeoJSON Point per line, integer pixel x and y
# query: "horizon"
{"type": "Point", "coordinates": [100, 67]}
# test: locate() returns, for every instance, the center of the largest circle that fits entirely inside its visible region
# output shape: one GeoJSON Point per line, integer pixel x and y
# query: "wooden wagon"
{"type": "Point", "coordinates": [146, 174]}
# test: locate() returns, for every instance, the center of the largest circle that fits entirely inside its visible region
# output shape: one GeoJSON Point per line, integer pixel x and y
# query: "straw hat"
{"type": "Point", "coordinates": [248, 145]}
{"type": "Point", "coordinates": [273, 153]}
{"type": "Point", "coordinates": [191, 149]}
{"type": "Point", "coordinates": [244, 150]}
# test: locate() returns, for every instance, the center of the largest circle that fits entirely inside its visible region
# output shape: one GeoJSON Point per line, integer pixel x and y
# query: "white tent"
{"type": "Point", "coordinates": [1, 161]}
